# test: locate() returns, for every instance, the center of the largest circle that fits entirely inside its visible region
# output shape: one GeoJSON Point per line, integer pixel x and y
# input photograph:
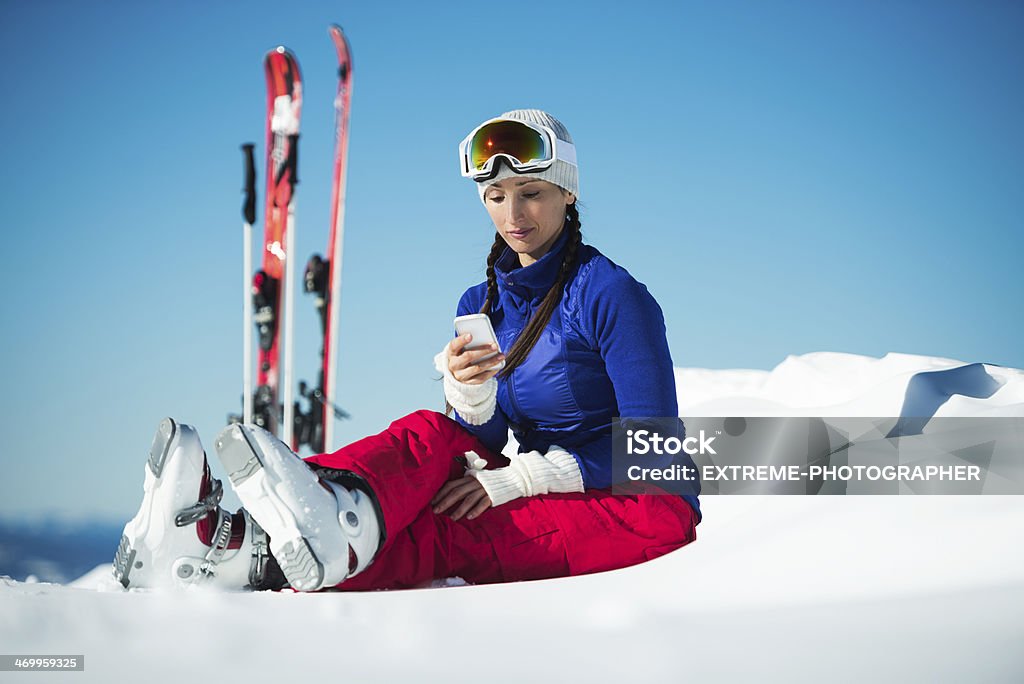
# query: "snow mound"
{"type": "Point", "coordinates": [839, 384]}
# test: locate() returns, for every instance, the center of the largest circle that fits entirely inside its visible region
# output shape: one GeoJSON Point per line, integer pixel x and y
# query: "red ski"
{"type": "Point", "coordinates": [272, 298]}
{"type": "Point", "coordinates": [323, 277]}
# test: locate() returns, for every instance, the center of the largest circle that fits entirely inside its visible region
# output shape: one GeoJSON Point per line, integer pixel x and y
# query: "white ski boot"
{"type": "Point", "coordinates": [321, 532]}
{"type": "Point", "coordinates": [181, 536]}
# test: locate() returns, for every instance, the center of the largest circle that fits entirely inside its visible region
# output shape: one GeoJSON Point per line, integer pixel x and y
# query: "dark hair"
{"type": "Point", "coordinates": [542, 316]}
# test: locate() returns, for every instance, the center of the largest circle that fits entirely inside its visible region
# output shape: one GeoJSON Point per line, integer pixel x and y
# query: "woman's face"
{"type": "Point", "coordinates": [528, 213]}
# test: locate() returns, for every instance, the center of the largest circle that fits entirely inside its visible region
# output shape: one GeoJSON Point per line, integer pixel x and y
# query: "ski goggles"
{"type": "Point", "coordinates": [524, 146]}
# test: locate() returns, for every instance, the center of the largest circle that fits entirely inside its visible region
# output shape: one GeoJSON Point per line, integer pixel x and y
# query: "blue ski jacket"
{"type": "Point", "coordinates": [603, 354]}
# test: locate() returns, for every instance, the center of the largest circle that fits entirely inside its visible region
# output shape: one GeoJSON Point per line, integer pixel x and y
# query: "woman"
{"type": "Point", "coordinates": [431, 497]}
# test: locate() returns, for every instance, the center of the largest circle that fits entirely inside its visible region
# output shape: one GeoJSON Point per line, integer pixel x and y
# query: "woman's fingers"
{"type": "Point", "coordinates": [484, 376]}
{"type": "Point", "coordinates": [451, 494]}
{"type": "Point", "coordinates": [443, 494]}
{"type": "Point", "coordinates": [459, 344]}
{"type": "Point", "coordinates": [476, 375]}
{"type": "Point", "coordinates": [467, 495]}
{"type": "Point", "coordinates": [469, 502]}
{"type": "Point", "coordinates": [456, 346]}
{"type": "Point", "coordinates": [481, 506]}
{"type": "Point", "coordinates": [470, 357]}
{"type": "Point", "coordinates": [469, 365]}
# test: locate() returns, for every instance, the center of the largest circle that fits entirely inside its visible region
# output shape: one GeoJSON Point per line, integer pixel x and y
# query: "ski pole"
{"type": "Point", "coordinates": [248, 218]}
{"type": "Point", "coordinates": [289, 300]}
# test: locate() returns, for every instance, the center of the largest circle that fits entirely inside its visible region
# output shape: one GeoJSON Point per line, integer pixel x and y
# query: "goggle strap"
{"type": "Point", "coordinates": [565, 151]}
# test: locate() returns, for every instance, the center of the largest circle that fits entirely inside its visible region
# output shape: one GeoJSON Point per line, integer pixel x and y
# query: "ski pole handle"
{"type": "Point", "coordinates": [249, 206]}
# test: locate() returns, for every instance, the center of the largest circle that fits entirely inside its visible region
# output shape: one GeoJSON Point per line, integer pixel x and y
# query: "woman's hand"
{"type": "Point", "coordinates": [467, 495]}
{"type": "Point", "coordinates": [465, 364]}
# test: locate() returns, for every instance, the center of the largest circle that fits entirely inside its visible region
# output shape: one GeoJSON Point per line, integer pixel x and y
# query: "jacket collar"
{"type": "Point", "coordinates": [533, 280]}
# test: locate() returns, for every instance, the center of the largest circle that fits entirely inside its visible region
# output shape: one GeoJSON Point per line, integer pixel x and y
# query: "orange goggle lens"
{"type": "Point", "coordinates": [520, 142]}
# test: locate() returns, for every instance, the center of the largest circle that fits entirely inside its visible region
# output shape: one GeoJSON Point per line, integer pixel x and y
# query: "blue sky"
{"type": "Point", "coordinates": [786, 177]}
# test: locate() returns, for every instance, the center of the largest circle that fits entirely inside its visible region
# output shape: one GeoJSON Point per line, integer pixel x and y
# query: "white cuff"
{"type": "Point", "coordinates": [530, 474]}
{"type": "Point", "coordinates": [474, 403]}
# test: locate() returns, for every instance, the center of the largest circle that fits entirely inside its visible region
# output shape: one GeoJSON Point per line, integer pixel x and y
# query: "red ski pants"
{"type": "Point", "coordinates": [550, 535]}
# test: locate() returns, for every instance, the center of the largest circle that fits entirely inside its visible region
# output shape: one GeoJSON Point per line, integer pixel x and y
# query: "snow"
{"type": "Point", "coordinates": [781, 588]}
{"type": "Point", "coordinates": [836, 384]}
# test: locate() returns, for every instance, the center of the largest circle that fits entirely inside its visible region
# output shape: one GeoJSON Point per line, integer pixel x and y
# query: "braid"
{"type": "Point", "coordinates": [572, 224]}
{"type": "Point", "coordinates": [492, 280]}
{"type": "Point", "coordinates": [542, 316]}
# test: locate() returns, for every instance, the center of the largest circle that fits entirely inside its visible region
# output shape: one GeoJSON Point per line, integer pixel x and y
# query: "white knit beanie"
{"type": "Point", "coordinates": [561, 173]}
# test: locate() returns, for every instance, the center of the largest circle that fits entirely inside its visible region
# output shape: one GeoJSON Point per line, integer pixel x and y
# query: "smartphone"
{"type": "Point", "coordinates": [479, 326]}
